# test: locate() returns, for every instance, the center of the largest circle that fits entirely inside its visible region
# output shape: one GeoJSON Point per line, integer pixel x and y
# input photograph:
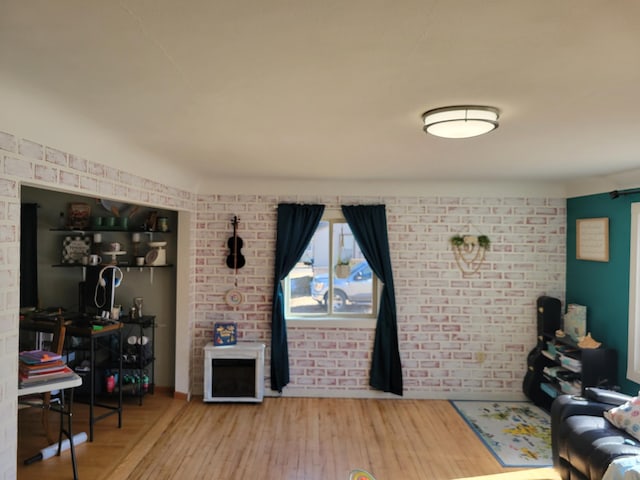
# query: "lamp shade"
{"type": "Point", "coordinates": [460, 121]}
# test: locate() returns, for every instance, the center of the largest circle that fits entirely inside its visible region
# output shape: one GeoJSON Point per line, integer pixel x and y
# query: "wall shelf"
{"type": "Point", "coordinates": [120, 265]}
{"type": "Point", "coordinates": [125, 264]}
{"type": "Point", "coordinates": [126, 268]}
{"type": "Point", "coordinates": [570, 369]}
{"type": "Point", "coordinates": [106, 230]}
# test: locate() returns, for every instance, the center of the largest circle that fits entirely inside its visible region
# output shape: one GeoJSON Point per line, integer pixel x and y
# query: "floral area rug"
{"type": "Point", "coordinates": [517, 433]}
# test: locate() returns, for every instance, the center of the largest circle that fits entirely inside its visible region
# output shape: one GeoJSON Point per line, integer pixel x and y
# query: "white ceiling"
{"type": "Point", "coordinates": [293, 89]}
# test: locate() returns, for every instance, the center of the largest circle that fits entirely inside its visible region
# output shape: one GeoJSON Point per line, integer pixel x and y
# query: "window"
{"type": "Point", "coordinates": [332, 280]}
{"type": "Point", "coordinates": [633, 360]}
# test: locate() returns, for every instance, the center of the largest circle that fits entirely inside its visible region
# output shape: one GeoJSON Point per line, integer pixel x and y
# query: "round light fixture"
{"type": "Point", "coordinates": [461, 121]}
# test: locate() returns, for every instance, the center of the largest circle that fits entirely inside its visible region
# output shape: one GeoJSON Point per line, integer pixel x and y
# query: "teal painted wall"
{"type": "Point", "coordinates": [603, 286]}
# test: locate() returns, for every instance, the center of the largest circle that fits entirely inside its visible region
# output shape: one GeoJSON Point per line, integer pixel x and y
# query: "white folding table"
{"type": "Point", "coordinates": [64, 408]}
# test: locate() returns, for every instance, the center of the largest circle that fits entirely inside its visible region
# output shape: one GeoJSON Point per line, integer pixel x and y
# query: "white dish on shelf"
{"type": "Point", "coordinates": [114, 256]}
{"type": "Point", "coordinates": [157, 244]}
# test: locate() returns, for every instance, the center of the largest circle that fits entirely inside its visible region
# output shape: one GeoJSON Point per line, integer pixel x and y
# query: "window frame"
{"type": "Point", "coordinates": [633, 352]}
{"type": "Point", "coordinates": [334, 319]}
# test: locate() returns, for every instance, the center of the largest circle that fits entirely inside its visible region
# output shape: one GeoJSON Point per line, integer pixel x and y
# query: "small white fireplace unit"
{"type": "Point", "coordinates": [234, 373]}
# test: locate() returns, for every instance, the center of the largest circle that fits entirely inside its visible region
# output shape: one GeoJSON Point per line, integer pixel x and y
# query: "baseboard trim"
{"type": "Point", "coordinates": [180, 396]}
{"type": "Point", "coordinates": [291, 392]}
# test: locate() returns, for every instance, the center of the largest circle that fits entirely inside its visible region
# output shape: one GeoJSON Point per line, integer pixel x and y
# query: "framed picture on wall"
{"type": "Point", "coordinates": [75, 248]}
{"type": "Point", "coordinates": [79, 215]}
{"type": "Point", "coordinates": [592, 239]}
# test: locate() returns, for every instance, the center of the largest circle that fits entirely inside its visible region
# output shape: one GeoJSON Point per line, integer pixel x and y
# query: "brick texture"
{"type": "Point", "coordinates": [458, 335]}
{"type": "Point", "coordinates": [24, 160]}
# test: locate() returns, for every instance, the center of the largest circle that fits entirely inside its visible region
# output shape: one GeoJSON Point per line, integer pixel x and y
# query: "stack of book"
{"type": "Point", "coordinates": [38, 366]}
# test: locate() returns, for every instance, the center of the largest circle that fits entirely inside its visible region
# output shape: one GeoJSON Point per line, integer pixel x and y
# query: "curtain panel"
{"type": "Point", "coordinates": [29, 255]}
{"type": "Point", "coordinates": [295, 228]}
{"type": "Point", "coordinates": [369, 227]}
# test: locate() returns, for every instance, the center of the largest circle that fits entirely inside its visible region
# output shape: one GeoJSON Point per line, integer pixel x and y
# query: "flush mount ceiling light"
{"type": "Point", "coordinates": [461, 121]}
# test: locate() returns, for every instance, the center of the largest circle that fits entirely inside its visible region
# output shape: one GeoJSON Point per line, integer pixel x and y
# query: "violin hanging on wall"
{"type": "Point", "coordinates": [235, 259]}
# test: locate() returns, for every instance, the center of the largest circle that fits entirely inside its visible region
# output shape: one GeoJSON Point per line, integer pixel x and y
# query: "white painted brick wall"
{"type": "Point", "coordinates": [444, 319]}
{"type": "Point", "coordinates": [23, 160]}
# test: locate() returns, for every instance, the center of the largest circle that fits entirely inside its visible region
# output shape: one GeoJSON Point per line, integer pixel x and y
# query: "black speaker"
{"type": "Point", "coordinates": [549, 311]}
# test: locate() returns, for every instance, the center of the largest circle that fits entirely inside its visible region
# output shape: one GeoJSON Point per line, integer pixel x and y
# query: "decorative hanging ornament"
{"type": "Point", "coordinates": [234, 297]}
{"type": "Point", "coordinates": [469, 252]}
{"type": "Point", "coordinates": [343, 266]}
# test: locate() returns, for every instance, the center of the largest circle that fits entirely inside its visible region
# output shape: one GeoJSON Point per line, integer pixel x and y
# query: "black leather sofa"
{"type": "Point", "coordinates": [583, 442]}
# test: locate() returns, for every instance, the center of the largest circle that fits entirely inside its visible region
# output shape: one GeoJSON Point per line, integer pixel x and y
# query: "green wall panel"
{"type": "Point", "coordinates": [603, 286]}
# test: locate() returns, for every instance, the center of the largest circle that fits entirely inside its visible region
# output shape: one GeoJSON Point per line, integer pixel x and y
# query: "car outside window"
{"type": "Point", "coordinates": [332, 280]}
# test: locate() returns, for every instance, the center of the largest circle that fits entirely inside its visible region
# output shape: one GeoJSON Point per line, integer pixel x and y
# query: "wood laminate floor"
{"type": "Point", "coordinates": [281, 438]}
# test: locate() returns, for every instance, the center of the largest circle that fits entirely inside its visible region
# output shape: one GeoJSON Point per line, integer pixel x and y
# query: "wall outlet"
{"type": "Point", "coordinates": [481, 357]}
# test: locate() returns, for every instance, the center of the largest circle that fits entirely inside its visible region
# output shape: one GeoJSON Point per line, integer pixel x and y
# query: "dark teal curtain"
{"type": "Point", "coordinates": [296, 226]}
{"type": "Point", "coordinates": [369, 226]}
{"type": "Point", "coordinates": [29, 255]}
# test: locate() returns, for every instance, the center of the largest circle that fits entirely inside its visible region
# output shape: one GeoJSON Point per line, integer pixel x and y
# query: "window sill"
{"type": "Point", "coordinates": [633, 375]}
{"type": "Point", "coordinates": [331, 322]}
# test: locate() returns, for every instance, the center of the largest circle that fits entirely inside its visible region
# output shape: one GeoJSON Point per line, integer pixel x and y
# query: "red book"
{"type": "Point", "coordinates": [45, 377]}
{"type": "Point", "coordinates": [30, 370]}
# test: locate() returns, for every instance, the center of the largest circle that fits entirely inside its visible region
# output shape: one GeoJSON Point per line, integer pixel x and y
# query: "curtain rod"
{"type": "Point", "coordinates": [616, 193]}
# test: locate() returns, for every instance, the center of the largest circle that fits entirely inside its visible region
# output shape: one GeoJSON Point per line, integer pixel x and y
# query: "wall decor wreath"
{"type": "Point", "coordinates": [469, 252]}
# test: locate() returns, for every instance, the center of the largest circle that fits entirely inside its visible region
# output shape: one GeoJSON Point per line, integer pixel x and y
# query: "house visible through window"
{"type": "Point", "coordinates": [332, 280]}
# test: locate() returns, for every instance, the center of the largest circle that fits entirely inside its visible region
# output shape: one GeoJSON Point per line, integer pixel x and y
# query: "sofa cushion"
{"type": "Point", "coordinates": [626, 416]}
{"type": "Point", "coordinates": [591, 443]}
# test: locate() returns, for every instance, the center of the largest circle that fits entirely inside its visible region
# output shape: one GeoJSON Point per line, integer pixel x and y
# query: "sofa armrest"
{"type": "Point", "coordinates": [609, 397]}
{"type": "Point", "coordinates": [594, 403]}
{"type": "Point", "coordinates": [565, 406]}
